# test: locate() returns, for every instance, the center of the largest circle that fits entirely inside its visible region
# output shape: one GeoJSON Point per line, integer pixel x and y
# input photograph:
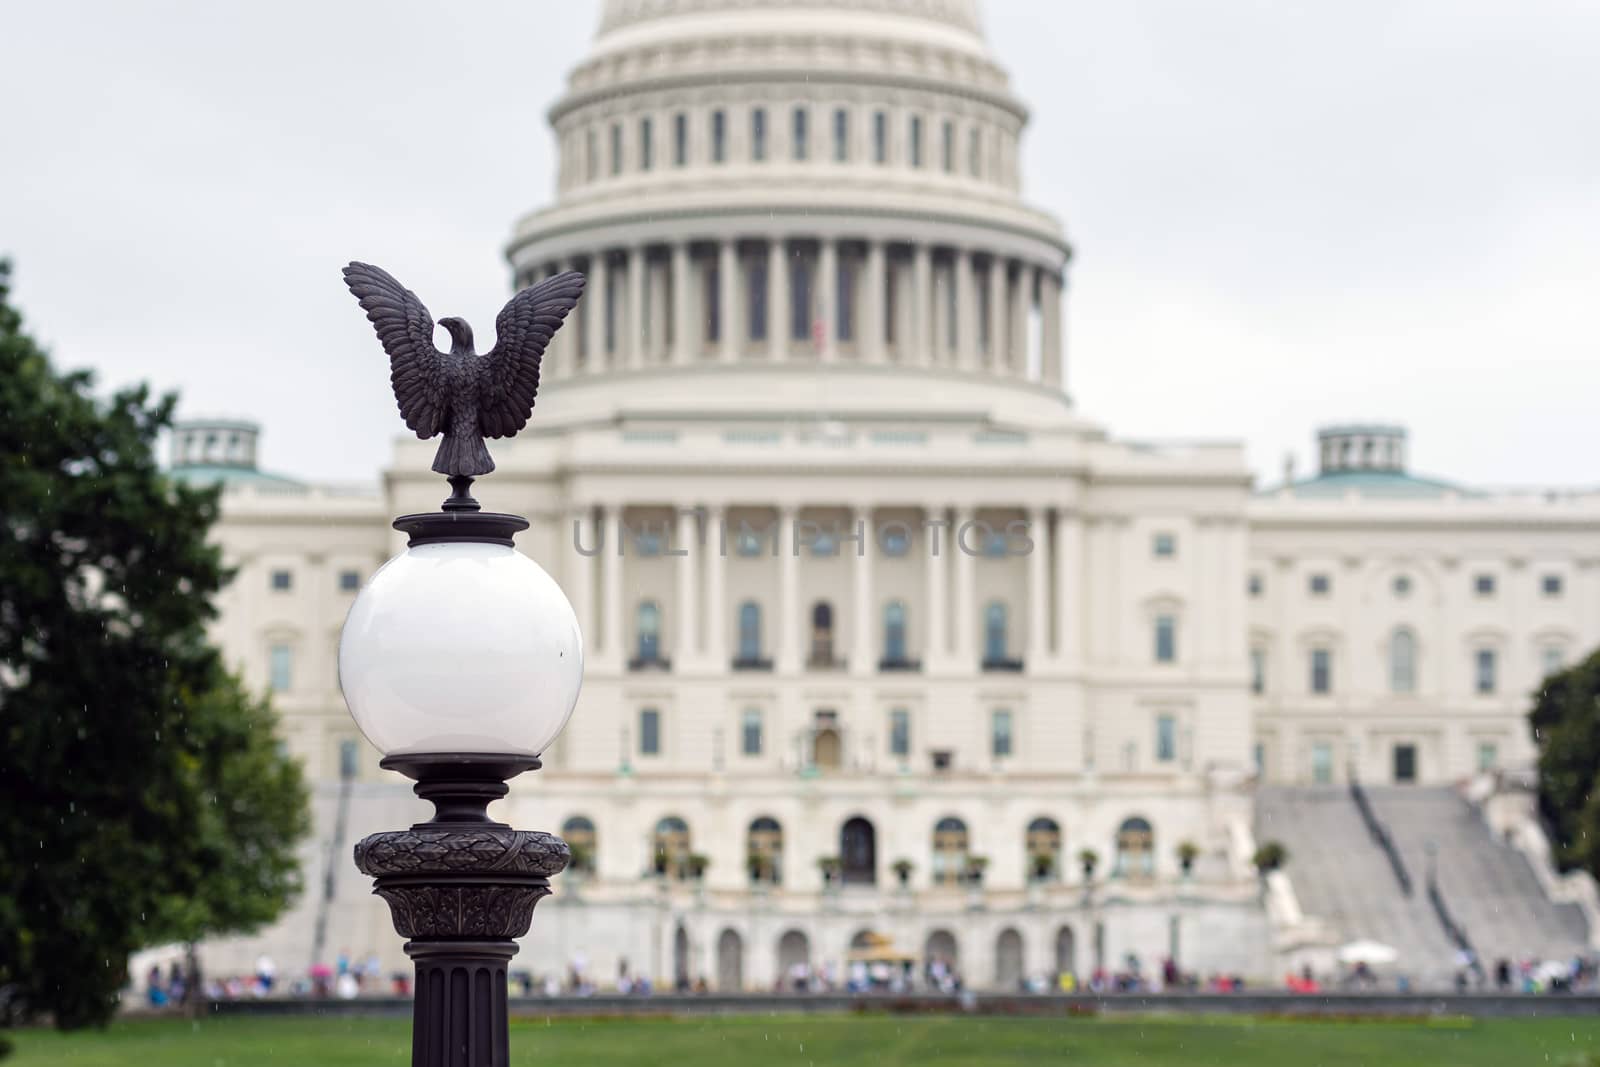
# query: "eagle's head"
{"type": "Point", "coordinates": [460, 335]}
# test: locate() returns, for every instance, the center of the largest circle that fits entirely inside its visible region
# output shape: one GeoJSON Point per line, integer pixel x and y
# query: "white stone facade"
{"type": "Point", "coordinates": [985, 627]}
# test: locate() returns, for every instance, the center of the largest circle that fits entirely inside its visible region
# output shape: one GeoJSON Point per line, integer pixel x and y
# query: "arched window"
{"type": "Point", "coordinates": [749, 631]}
{"type": "Point", "coordinates": [671, 847]}
{"type": "Point", "coordinates": [764, 850]}
{"type": "Point", "coordinates": [648, 624]}
{"type": "Point", "coordinates": [894, 632]}
{"type": "Point", "coordinates": [858, 852]}
{"type": "Point", "coordinates": [1136, 849]}
{"type": "Point", "coordinates": [1402, 661]}
{"type": "Point", "coordinates": [822, 634]}
{"type": "Point", "coordinates": [578, 832]}
{"type": "Point", "coordinates": [1043, 843]}
{"type": "Point", "coordinates": [949, 851]}
{"type": "Point", "coordinates": [994, 632]}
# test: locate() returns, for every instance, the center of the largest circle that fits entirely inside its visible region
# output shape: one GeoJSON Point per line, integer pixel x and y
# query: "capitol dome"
{"type": "Point", "coordinates": [754, 185]}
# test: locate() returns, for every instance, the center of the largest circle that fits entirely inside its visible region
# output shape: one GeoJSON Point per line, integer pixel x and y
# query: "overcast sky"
{"type": "Point", "coordinates": [1283, 213]}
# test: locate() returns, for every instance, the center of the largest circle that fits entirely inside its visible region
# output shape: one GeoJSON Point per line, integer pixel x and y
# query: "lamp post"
{"type": "Point", "coordinates": [461, 661]}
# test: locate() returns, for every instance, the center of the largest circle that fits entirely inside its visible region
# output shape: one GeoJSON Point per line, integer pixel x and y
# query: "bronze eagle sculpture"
{"type": "Point", "coordinates": [465, 395]}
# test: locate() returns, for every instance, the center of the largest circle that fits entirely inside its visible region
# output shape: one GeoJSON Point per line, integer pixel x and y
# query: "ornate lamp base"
{"type": "Point", "coordinates": [462, 887]}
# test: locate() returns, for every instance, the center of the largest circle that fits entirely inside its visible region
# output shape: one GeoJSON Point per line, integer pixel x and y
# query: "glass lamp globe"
{"type": "Point", "coordinates": [461, 647]}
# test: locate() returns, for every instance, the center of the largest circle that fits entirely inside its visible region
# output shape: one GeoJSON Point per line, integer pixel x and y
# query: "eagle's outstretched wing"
{"type": "Point", "coordinates": [416, 368]}
{"type": "Point", "coordinates": [511, 369]}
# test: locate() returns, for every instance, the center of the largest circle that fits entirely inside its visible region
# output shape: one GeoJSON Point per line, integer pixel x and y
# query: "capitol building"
{"type": "Point", "coordinates": [883, 635]}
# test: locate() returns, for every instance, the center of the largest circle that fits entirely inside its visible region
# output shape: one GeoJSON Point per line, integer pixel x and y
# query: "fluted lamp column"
{"type": "Point", "coordinates": [461, 661]}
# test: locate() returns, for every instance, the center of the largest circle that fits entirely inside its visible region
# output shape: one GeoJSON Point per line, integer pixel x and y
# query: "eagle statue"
{"type": "Point", "coordinates": [460, 393]}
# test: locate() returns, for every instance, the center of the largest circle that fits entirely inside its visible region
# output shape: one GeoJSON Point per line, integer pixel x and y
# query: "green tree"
{"type": "Point", "coordinates": [142, 796]}
{"type": "Point", "coordinates": [1566, 728]}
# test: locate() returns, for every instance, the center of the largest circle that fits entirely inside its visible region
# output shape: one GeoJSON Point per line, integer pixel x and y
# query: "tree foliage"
{"type": "Point", "coordinates": [142, 795]}
{"type": "Point", "coordinates": [1566, 728]}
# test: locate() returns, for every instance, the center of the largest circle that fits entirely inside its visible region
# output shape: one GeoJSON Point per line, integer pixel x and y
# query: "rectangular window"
{"type": "Point", "coordinates": [750, 732]}
{"type": "Point", "coordinates": [649, 732]}
{"type": "Point", "coordinates": [756, 299]}
{"type": "Point", "coordinates": [349, 581]}
{"type": "Point", "coordinates": [1166, 639]}
{"type": "Point", "coordinates": [916, 140]}
{"type": "Point", "coordinates": [646, 144]}
{"type": "Point", "coordinates": [880, 137]}
{"type": "Point", "coordinates": [1000, 734]}
{"type": "Point", "coordinates": [974, 152]}
{"type": "Point", "coordinates": [799, 299]}
{"type": "Point", "coordinates": [948, 146]}
{"type": "Point", "coordinates": [282, 581]}
{"type": "Point", "coordinates": [1322, 763]}
{"type": "Point", "coordinates": [1488, 755]}
{"type": "Point", "coordinates": [719, 136]}
{"type": "Point", "coordinates": [799, 147]}
{"type": "Point", "coordinates": [1552, 659]}
{"type": "Point", "coordinates": [1319, 584]}
{"type": "Point", "coordinates": [1321, 670]}
{"type": "Point", "coordinates": [1256, 585]}
{"type": "Point", "coordinates": [1484, 670]}
{"type": "Point", "coordinates": [1258, 671]}
{"type": "Point", "coordinates": [680, 139]}
{"type": "Point", "coordinates": [758, 134]}
{"type": "Point", "coordinates": [616, 148]}
{"type": "Point", "coordinates": [841, 135]}
{"type": "Point", "coordinates": [592, 151]}
{"type": "Point", "coordinates": [1164, 546]}
{"type": "Point", "coordinates": [1550, 585]}
{"type": "Point", "coordinates": [280, 668]}
{"type": "Point", "coordinates": [1483, 585]}
{"type": "Point", "coordinates": [1166, 738]}
{"type": "Point", "coordinates": [900, 733]}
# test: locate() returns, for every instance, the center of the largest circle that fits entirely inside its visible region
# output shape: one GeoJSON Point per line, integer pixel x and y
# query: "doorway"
{"type": "Point", "coordinates": [1405, 764]}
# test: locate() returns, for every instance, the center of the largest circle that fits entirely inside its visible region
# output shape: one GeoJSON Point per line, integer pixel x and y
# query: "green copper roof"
{"type": "Point", "coordinates": [1371, 483]}
{"type": "Point", "coordinates": [213, 473]}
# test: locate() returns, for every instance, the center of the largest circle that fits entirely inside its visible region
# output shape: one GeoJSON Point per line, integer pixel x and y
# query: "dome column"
{"type": "Point", "coordinates": [963, 272]}
{"type": "Point", "coordinates": [596, 311]}
{"type": "Point", "coordinates": [1021, 305]}
{"type": "Point", "coordinates": [1050, 355]}
{"type": "Point", "coordinates": [636, 317]}
{"type": "Point", "coordinates": [871, 302]}
{"type": "Point", "coordinates": [922, 303]}
{"type": "Point", "coordinates": [778, 299]}
{"type": "Point", "coordinates": [684, 334]}
{"type": "Point", "coordinates": [996, 341]}
{"type": "Point", "coordinates": [828, 298]}
{"type": "Point", "coordinates": [730, 327]}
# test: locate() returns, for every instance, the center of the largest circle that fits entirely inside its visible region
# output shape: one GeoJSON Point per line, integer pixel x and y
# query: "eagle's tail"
{"type": "Point", "coordinates": [462, 454]}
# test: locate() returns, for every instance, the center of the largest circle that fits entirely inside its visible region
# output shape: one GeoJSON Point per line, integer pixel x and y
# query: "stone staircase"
{"type": "Point", "coordinates": [1488, 885]}
{"type": "Point", "coordinates": [1343, 878]}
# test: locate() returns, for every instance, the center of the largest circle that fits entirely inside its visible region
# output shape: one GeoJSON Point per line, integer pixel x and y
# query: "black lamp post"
{"type": "Point", "coordinates": [461, 660]}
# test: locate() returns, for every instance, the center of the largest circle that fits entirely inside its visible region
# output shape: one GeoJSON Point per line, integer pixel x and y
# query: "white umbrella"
{"type": "Point", "coordinates": [1372, 953]}
{"type": "Point", "coordinates": [1550, 970]}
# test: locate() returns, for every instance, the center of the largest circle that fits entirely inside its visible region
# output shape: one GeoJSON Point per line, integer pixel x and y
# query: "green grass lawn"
{"type": "Point", "coordinates": [780, 1041]}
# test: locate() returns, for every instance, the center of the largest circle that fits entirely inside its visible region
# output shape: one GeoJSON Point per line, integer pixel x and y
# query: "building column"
{"type": "Point", "coordinates": [963, 272]}
{"type": "Point", "coordinates": [788, 659]}
{"type": "Point", "coordinates": [998, 318]}
{"type": "Point", "coordinates": [636, 316]}
{"type": "Point", "coordinates": [778, 298]}
{"type": "Point", "coordinates": [730, 324]}
{"type": "Point", "coordinates": [1051, 363]}
{"type": "Point", "coordinates": [1021, 305]}
{"type": "Point", "coordinates": [964, 624]}
{"type": "Point", "coordinates": [936, 551]}
{"type": "Point", "coordinates": [1038, 589]}
{"type": "Point", "coordinates": [922, 304]}
{"type": "Point", "coordinates": [870, 305]}
{"type": "Point", "coordinates": [685, 338]}
{"type": "Point", "coordinates": [611, 580]}
{"type": "Point", "coordinates": [686, 643]}
{"type": "Point", "coordinates": [827, 282]}
{"type": "Point", "coordinates": [714, 638]}
{"type": "Point", "coordinates": [580, 533]}
{"type": "Point", "coordinates": [861, 626]}
{"type": "Point", "coordinates": [1069, 587]}
{"type": "Point", "coordinates": [596, 322]}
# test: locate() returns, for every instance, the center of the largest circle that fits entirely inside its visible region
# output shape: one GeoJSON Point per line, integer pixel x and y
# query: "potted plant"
{"type": "Point", "coordinates": [830, 869]}
{"type": "Point", "coordinates": [660, 862]}
{"type": "Point", "coordinates": [1269, 857]}
{"type": "Point", "coordinates": [902, 870]}
{"type": "Point", "coordinates": [697, 863]}
{"type": "Point", "coordinates": [975, 869]}
{"type": "Point", "coordinates": [582, 861]}
{"type": "Point", "coordinates": [1188, 852]}
{"type": "Point", "coordinates": [756, 863]}
{"type": "Point", "coordinates": [1042, 865]}
{"type": "Point", "coordinates": [1088, 859]}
